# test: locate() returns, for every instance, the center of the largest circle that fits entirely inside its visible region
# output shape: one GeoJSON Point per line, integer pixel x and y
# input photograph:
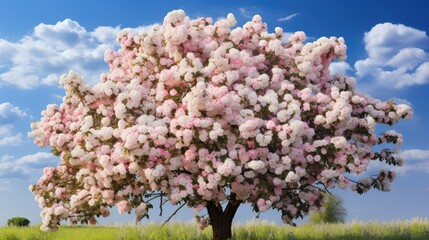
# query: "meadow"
{"type": "Point", "coordinates": [410, 229]}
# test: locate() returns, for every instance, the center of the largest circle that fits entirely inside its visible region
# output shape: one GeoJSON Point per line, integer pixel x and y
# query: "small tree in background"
{"type": "Point", "coordinates": [200, 114]}
{"type": "Point", "coordinates": [333, 211]}
{"type": "Point", "coordinates": [18, 222]}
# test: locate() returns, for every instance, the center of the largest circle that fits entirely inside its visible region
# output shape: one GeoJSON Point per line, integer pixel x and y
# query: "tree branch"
{"type": "Point", "coordinates": [160, 206]}
{"type": "Point", "coordinates": [174, 213]}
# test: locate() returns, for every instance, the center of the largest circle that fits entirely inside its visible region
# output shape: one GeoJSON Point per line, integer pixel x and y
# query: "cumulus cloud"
{"type": "Point", "coordinates": [287, 18]}
{"type": "Point", "coordinates": [418, 166]}
{"type": "Point", "coordinates": [8, 169]}
{"type": "Point", "coordinates": [7, 138]}
{"type": "Point", "coordinates": [415, 160]}
{"type": "Point", "coordinates": [11, 140]}
{"type": "Point", "coordinates": [397, 56]}
{"type": "Point", "coordinates": [41, 57]}
{"type": "Point", "coordinates": [37, 160]}
{"type": "Point", "coordinates": [12, 168]}
{"type": "Point", "coordinates": [339, 67]}
{"type": "Point", "coordinates": [10, 113]}
{"type": "Point", "coordinates": [415, 154]}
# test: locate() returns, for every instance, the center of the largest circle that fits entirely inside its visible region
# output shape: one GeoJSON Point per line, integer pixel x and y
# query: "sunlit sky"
{"type": "Point", "coordinates": [388, 54]}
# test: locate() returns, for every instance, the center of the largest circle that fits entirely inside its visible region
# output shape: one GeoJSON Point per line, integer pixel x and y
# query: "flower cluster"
{"type": "Point", "coordinates": [195, 111]}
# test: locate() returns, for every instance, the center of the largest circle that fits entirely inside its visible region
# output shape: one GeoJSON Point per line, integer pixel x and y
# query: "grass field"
{"type": "Point", "coordinates": [412, 229]}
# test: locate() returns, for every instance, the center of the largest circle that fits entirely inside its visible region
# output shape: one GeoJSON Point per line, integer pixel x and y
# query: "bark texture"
{"type": "Point", "coordinates": [221, 220]}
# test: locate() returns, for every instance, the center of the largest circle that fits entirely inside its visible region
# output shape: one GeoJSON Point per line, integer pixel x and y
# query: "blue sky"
{"type": "Point", "coordinates": [388, 53]}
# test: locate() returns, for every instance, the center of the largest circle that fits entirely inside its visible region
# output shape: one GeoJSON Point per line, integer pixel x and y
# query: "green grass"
{"type": "Point", "coordinates": [412, 229]}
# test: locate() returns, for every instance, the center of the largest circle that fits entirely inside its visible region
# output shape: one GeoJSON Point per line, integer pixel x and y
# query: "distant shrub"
{"type": "Point", "coordinates": [18, 222]}
{"type": "Point", "coordinates": [334, 211]}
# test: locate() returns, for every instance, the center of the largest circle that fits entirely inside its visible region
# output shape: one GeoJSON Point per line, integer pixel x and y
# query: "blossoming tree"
{"type": "Point", "coordinates": [211, 117]}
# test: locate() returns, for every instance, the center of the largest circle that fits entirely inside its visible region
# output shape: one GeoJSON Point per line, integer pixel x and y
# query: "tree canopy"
{"type": "Point", "coordinates": [198, 113]}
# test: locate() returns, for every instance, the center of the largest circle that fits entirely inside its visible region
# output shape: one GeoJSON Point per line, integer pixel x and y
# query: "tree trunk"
{"type": "Point", "coordinates": [221, 220]}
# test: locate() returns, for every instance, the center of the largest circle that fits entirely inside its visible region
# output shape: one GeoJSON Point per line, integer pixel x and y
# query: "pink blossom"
{"type": "Point", "coordinates": [202, 112]}
{"type": "Point", "coordinates": [124, 206]}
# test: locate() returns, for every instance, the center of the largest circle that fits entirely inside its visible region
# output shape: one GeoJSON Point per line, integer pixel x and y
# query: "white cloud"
{"type": "Point", "coordinates": [6, 158]}
{"type": "Point", "coordinates": [339, 67]}
{"type": "Point", "coordinates": [105, 34]}
{"type": "Point", "coordinates": [63, 35]}
{"type": "Point", "coordinates": [51, 50]}
{"type": "Point", "coordinates": [397, 56]}
{"type": "Point", "coordinates": [11, 140]}
{"type": "Point", "coordinates": [37, 160]}
{"type": "Point", "coordinates": [415, 154]}
{"type": "Point", "coordinates": [415, 160]}
{"type": "Point", "coordinates": [414, 166]}
{"type": "Point", "coordinates": [7, 138]}
{"type": "Point", "coordinates": [11, 168]}
{"type": "Point", "coordinates": [8, 169]}
{"type": "Point", "coordinates": [408, 58]}
{"type": "Point", "coordinates": [5, 186]}
{"type": "Point", "coordinates": [287, 18]}
{"type": "Point", "coordinates": [10, 113]}
{"type": "Point", "coordinates": [245, 12]}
